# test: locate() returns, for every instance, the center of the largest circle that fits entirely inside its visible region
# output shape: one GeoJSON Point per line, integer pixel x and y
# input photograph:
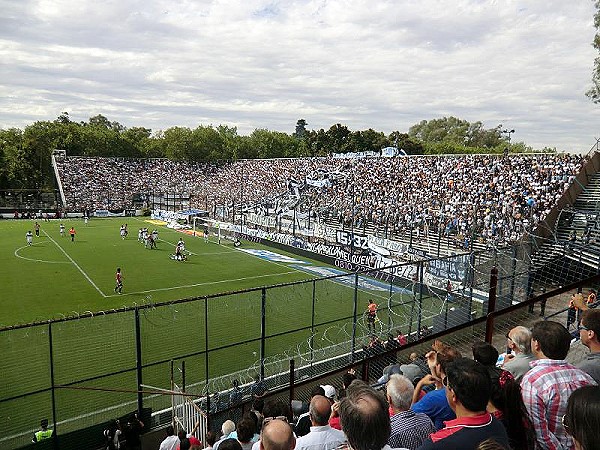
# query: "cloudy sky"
{"type": "Point", "coordinates": [253, 64]}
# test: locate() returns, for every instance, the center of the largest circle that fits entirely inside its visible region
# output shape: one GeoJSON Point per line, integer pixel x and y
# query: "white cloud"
{"type": "Point", "coordinates": [264, 64]}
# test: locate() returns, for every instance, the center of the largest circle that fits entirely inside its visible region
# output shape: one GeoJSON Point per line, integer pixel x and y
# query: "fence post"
{"type": "Point", "coordinates": [263, 332]}
{"type": "Point", "coordinates": [292, 379]}
{"type": "Point", "coordinates": [420, 310]}
{"type": "Point", "coordinates": [312, 324]}
{"type": "Point", "coordinates": [51, 349]}
{"type": "Point", "coordinates": [138, 357]}
{"type": "Point", "coordinates": [489, 323]}
{"type": "Point", "coordinates": [354, 316]}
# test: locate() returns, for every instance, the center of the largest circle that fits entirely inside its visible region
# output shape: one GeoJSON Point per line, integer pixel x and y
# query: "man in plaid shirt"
{"type": "Point", "coordinates": [548, 385]}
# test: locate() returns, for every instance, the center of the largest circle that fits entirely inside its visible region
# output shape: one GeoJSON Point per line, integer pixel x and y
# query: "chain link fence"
{"type": "Point", "coordinates": [83, 372]}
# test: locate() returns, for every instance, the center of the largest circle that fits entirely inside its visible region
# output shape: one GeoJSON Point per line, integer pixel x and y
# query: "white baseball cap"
{"type": "Point", "coordinates": [329, 390]}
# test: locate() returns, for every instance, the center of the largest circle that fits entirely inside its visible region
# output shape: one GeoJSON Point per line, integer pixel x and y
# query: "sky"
{"type": "Point", "coordinates": [251, 64]}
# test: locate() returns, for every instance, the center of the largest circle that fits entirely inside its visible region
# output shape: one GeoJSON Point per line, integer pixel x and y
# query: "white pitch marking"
{"type": "Point", "coordinates": [201, 284]}
{"type": "Point", "coordinates": [36, 260]}
{"type": "Point", "coordinates": [76, 265]}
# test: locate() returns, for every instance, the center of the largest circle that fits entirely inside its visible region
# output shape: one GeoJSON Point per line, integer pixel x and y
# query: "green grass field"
{"type": "Point", "coordinates": [55, 278]}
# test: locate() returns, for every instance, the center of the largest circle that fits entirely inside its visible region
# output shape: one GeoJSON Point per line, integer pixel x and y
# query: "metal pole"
{"type": "Point", "coordinates": [263, 332]}
{"type": "Point", "coordinates": [489, 323]}
{"type": "Point", "coordinates": [354, 315]}
{"type": "Point", "coordinates": [52, 384]}
{"type": "Point", "coordinates": [138, 348]}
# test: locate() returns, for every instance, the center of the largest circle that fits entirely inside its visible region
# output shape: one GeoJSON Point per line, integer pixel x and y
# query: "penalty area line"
{"type": "Point", "coordinates": [200, 284]}
{"type": "Point", "coordinates": [76, 265]}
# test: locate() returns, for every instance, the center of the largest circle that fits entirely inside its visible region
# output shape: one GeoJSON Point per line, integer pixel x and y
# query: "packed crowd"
{"type": "Point", "coordinates": [533, 399]}
{"type": "Point", "coordinates": [530, 399]}
{"type": "Point", "coordinates": [499, 198]}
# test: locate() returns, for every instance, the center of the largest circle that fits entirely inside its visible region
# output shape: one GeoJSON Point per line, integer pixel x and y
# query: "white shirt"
{"type": "Point", "coordinates": [321, 438]}
{"type": "Point", "coordinates": [169, 443]}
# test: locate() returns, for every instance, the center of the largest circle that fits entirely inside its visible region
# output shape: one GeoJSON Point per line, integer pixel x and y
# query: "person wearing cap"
{"type": "Point", "coordinates": [329, 392]}
{"type": "Point", "coordinates": [44, 433]}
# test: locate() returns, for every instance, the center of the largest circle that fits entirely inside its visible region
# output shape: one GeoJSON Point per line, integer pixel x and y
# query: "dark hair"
{"type": "Point", "coordinates": [507, 398]}
{"type": "Point", "coordinates": [230, 444]}
{"type": "Point", "coordinates": [470, 382]}
{"type": "Point", "coordinates": [275, 408]}
{"type": "Point", "coordinates": [170, 430]}
{"type": "Point", "coordinates": [446, 355]}
{"type": "Point", "coordinates": [245, 429]}
{"type": "Point", "coordinates": [211, 438]}
{"type": "Point", "coordinates": [591, 319]}
{"type": "Point", "coordinates": [184, 444]}
{"type": "Point", "coordinates": [553, 337]}
{"type": "Point", "coordinates": [485, 353]}
{"type": "Point", "coordinates": [583, 416]}
{"type": "Point", "coordinates": [364, 417]}
{"type": "Point", "coordinates": [317, 390]}
{"type": "Point", "coordinates": [347, 379]}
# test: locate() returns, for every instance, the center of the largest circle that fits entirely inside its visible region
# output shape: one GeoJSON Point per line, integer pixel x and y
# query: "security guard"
{"type": "Point", "coordinates": [44, 433]}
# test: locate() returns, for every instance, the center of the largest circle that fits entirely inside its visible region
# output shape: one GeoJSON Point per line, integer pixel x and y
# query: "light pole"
{"type": "Point", "coordinates": [508, 133]}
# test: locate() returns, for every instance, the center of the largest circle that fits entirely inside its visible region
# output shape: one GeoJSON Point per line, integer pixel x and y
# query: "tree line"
{"type": "Point", "coordinates": [25, 154]}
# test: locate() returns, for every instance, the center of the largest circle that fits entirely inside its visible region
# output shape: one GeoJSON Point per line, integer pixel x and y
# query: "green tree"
{"type": "Point", "coordinates": [300, 132]}
{"type": "Point", "coordinates": [178, 143]}
{"type": "Point", "coordinates": [338, 137]}
{"type": "Point", "coordinates": [594, 92]}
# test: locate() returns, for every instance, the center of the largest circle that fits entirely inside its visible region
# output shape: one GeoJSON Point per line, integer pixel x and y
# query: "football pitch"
{"type": "Point", "coordinates": [55, 278]}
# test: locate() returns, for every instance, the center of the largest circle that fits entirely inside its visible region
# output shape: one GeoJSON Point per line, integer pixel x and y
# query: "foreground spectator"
{"type": "Point", "coordinates": [582, 419]}
{"type": "Point", "coordinates": [409, 429]}
{"type": "Point", "coordinates": [519, 341]}
{"type": "Point", "coordinates": [321, 436]}
{"type": "Point", "coordinates": [548, 385]}
{"type": "Point", "coordinates": [171, 441]}
{"type": "Point", "coordinates": [468, 391]}
{"type": "Point", "coordinates": [506, 402]}
{"type": "Point", "coordinates": [589, 333]}
{"type": "Point", "coordinates": [364, 418]}
{"type": "Point", "coordinates": [304, 421]}
{"type": "Point", "coordinates": [435, 403]}
{"type": "Point", "coordinates": [277, 435]}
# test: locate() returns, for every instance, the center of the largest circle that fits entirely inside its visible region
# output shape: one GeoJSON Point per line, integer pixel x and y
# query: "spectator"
{"type": "Point", "coordinates": [277, 435]}
{"type": "Point", "coordinates": [365, 419]}
{"type": "Point", "coordinates": [112, 435]}
{"type": "Point", "coordinates": [245, 432]}
{"type": "Point", "coordinates": [468, 390]}
{"type": "Point", "coordinates": [519, 341]}
{"type": "Point", "coordinates": [231, 444]}
{"type": "Point", "coordinates": [547, 386]}
{"type": "Point", "coordinates": [227, 428]}
{"type": "Point", "coordinates": [435, 403]}
{"type": "Point", "coordinates": [275, 410]}
{"type": "Point", "coordinates": [304, 421]}
{"type": "Point", "coordinates": [506, 402]}
{"type": "Point", "coordinates": [171, 441]}
{"type": "Point", "coordinates": [211, 438]}
{"type": "Point", "coordinates": [582, 418]}
{"type": "Point", "coordinates": [133, 430]}
{"type": "Point", "coordinates": [409, 429]}
{"type": "Point", "coordinates": [416, 369]}
{"type": "Point", "coordinates": [589, 333]}
{"type": "Point", "coordinates": [321, 435]}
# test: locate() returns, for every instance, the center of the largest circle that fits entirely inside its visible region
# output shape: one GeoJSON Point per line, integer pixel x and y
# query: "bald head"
{"type": "Point", "coordinates": [320, 410]}
{"type": "Point", "coordinates": [277, 435]}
